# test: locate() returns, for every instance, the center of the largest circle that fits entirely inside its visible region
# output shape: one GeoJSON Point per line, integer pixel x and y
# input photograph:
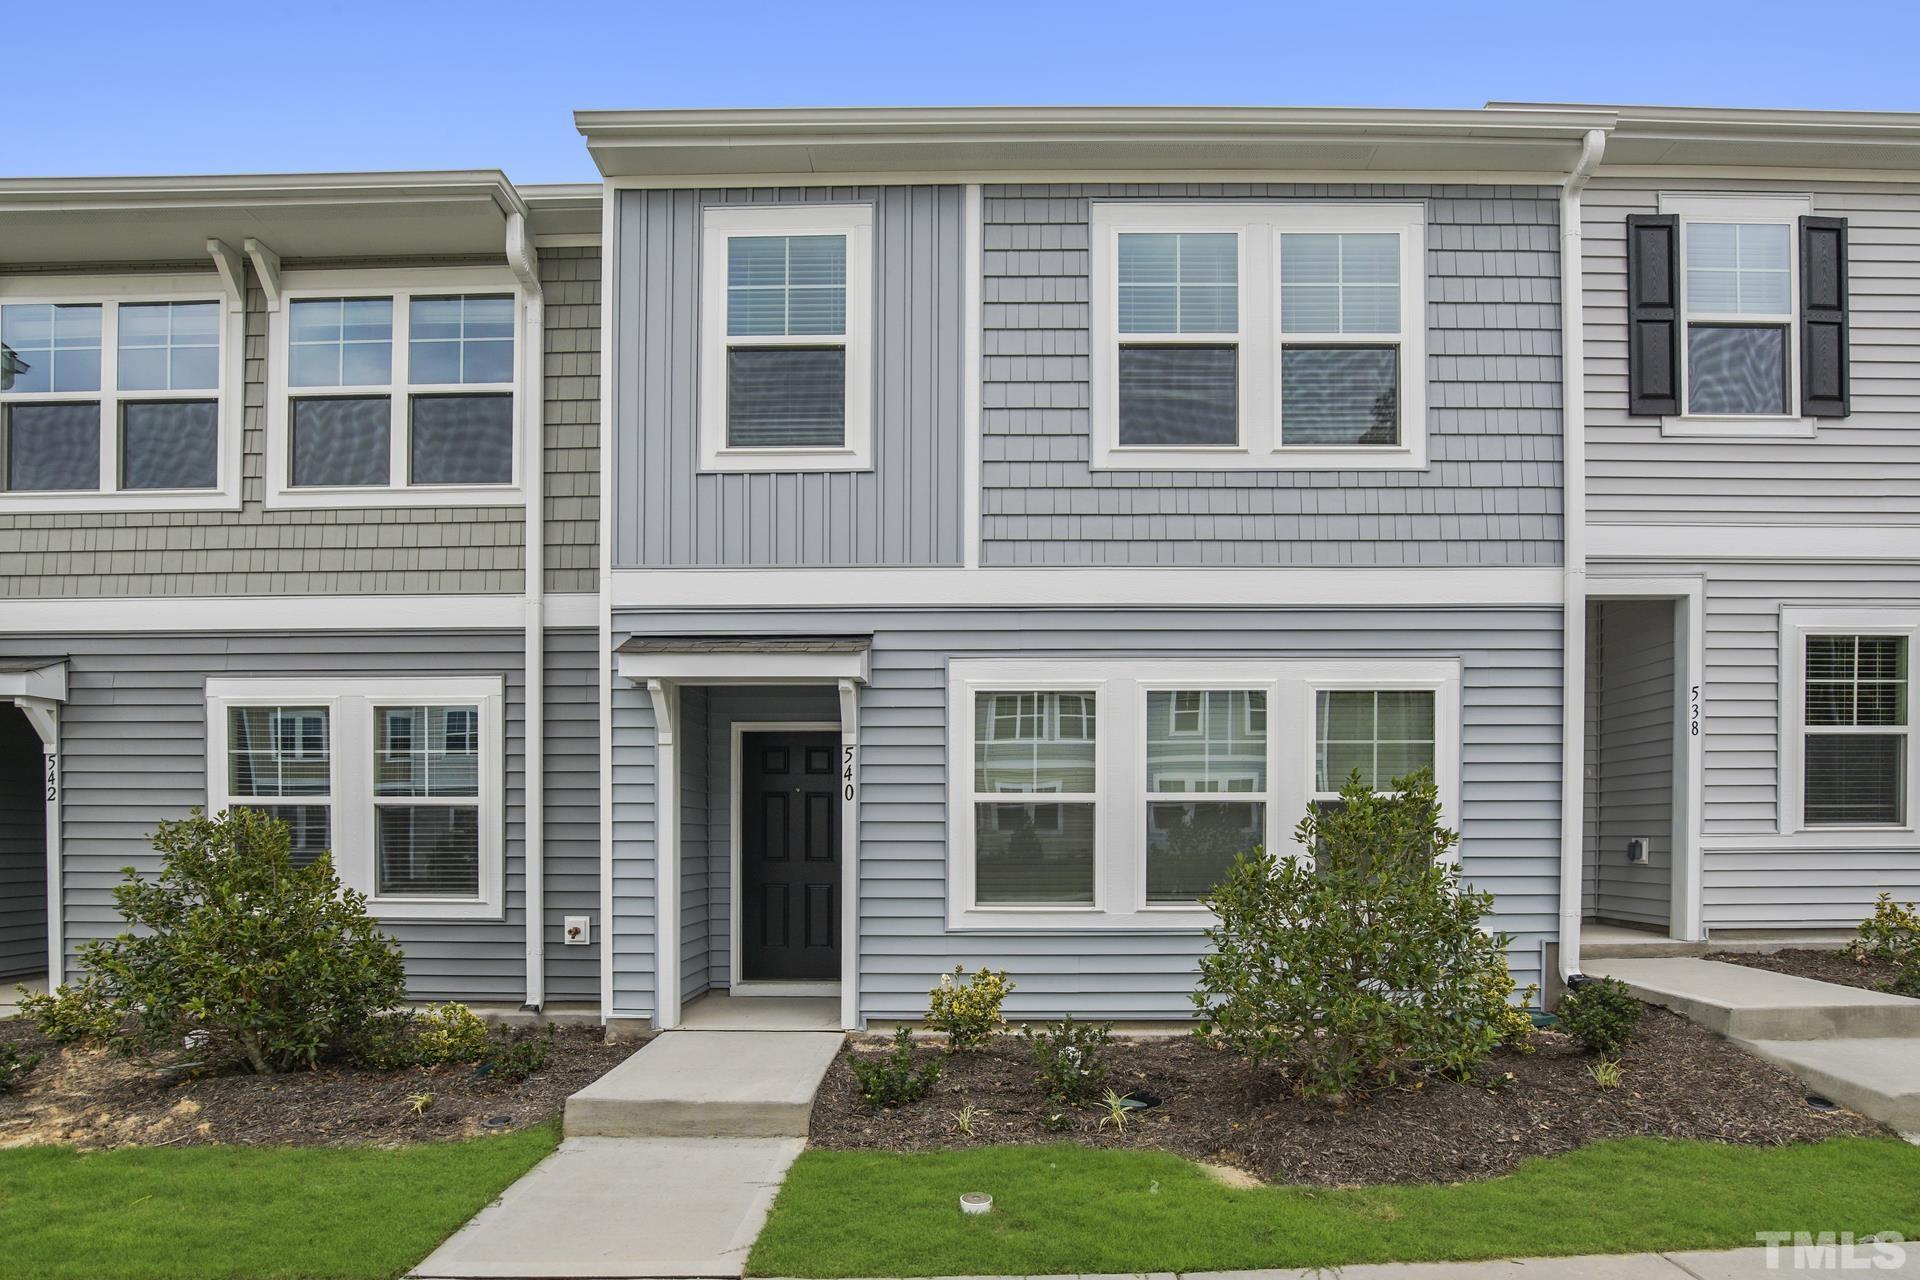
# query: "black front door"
{"type": "Point", "coordinates": [790, 857]}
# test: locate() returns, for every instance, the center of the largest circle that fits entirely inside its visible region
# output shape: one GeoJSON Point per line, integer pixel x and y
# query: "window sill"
{"type": "Point", "coordinates": [725, 461]}
{"type": "Point", "coordinates": [401, 910]}
{"type": "Point", "coordinates": [1737, 427]}
{"type": "Point", "coordinates": [1285, 458]}
{"type": "Point", "coordinates": [1076, 920]}
{"type": "Point", "coordinates": [95, 502]}
{"type": "Point", "coordinates": [289, 499]}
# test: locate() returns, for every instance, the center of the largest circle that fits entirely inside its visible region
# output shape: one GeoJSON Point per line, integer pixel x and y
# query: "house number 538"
{"type": "Point", "coordinates": [1693, 711]}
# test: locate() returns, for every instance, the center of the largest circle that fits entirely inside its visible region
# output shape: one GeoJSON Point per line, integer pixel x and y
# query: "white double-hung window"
{"type": "Point", "coordinates": [401, 780]}
{"type": "Point", "coordinates": [118, 393]}
{"type": "Point", "coordinates": [1258, 335]}
{"type": "Point", "coordinates": [1847, 710]}
{"type": "Point", "coordinates": [1116, 793]}
{"type": "Point", "coordinates": [394, 389]}
{"type": "Point", "coordinates": [786, 338]}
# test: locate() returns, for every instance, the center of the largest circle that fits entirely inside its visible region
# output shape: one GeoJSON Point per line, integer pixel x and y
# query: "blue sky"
{"type": "Point", "coordinates": [316, 85]}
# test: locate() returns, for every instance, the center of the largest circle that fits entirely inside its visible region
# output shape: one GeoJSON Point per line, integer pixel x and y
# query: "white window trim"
{"type": "Point", "coordinates": [1796, 624]}
{"type": "Point", "coordinates": [1121, 687]}
{"type": "Point", "coordinates": [352, 703]}
{"type": "Point", "coordinates": [1786, 210]}
{"type": "Point", "coordinates": [1260, 226]}
{"type": "Point", "coordinates": [401, 285]}
{"type": "Point", "coordinates": [109, 293]}
{"type": "Point", "coordinates": [720, 223]}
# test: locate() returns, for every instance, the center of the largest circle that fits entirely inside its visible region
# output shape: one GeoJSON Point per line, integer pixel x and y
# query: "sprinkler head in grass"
{"type": "Point", "coordinates": [1819, 1102]}
{"type": "Point", "coordinates": [498, 1122]}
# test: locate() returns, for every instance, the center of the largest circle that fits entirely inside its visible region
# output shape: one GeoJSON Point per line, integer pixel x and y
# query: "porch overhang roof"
{"type": "Point", "coordinates": [43, 679]}
{"type": "Point", "coordinates": [744, 659]}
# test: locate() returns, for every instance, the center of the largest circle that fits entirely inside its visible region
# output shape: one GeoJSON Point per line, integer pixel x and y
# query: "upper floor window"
{"type": "Point", "coordinates": [395, 394]}
{"type": "Point", "coordinates": [115, 402]}
{"type": "Point", "coordinates": [1266, 336]}
{"type": "Point", "coordinates": [786, 338]}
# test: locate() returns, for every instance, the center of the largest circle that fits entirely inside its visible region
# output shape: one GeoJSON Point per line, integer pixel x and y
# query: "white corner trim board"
{"type": "Point", "coordinates": [295, 613]}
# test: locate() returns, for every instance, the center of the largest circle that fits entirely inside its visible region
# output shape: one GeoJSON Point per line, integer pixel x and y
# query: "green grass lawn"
{"type": "Point", "coordinates": [1070, 1209]}
{"type": "Point", "coordinates": [207, 1213]}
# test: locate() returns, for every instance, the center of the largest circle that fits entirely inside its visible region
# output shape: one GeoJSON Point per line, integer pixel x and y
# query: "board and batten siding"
{"type": "Point", "coordinates": [1860, 469]}
{"type": "Point", "coordinates": [906, 510]}
{"type": "Point", "coordinates": [1510, 785]}
{"type": "Point", "coordinates": [1490, 495]}
{"type": "Point", "coordinates": [373, 550]}
{"type": "Point", "coordinates": [134, 751]}
{"type": "Point", "coordinates": [1632, 717]}
{"type": "Point", "coordinates": [23, 848]}
{"type": "Point", "coordinates": [1752, 876]}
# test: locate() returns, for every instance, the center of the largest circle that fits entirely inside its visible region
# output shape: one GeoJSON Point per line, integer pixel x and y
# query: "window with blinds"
{"type": "Point", "coordinates": [1854, 756]}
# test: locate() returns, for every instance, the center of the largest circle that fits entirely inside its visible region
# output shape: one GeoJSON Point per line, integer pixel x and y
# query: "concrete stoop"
{"type": "Point", "coordinates": [708, 1084]}
{"type": "Point", "coordinates": [1755, 1004]}
{"type": "Point", "coordinates": [1878, 1077]}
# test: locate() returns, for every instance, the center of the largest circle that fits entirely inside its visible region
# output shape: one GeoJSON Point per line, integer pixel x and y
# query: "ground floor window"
{"type": "Point", "coordinates": [1104, 794]}
{"type": "Point", "coordinates": [399, 779]}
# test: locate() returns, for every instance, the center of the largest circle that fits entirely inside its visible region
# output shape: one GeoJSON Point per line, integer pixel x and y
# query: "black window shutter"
{"type": "Point", "coordinates": [1653, 314]}
{"type": "Point", "coordinates": [1824, 390]}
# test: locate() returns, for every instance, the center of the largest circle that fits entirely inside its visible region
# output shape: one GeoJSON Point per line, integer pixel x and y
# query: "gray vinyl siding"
{"type": "Point", "coordinates": [360, 551]}
{"type": "Point", "coordinates": [1590, 779]}
{"type": "Point", "coordinates": [1510, 791]}
{"type": "Point", "coordinates": [572, 829]}
{"type": "Point", "coordinates": [904, 511]}
{"type": "Point", "coordinates": [696, 887]}
{"type": "Point", "coordinates": [23, 849]}
{"type": "Point", "coordinates": [1752, 877]}
{"type": "Point", "coordinates": [1491, 494]}
{"type": "Point", "coordinates": [1861, 469]}
{"type": "Point", "coordinates": [570, 285]}
{"type": "Point", "coordinates": [134, 752]}
{"type": "Point", "coordinates": [1633, 718]}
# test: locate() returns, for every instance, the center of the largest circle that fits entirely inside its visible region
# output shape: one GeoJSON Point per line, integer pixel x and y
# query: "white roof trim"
{"type": "Point", "coordinates": [47, 682]}
{"type": "Point", "coordinates": [744, 668]}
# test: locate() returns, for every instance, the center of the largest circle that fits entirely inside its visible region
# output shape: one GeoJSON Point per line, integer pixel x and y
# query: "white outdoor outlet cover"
{"type": "Point", "coordinates": [579, 930]}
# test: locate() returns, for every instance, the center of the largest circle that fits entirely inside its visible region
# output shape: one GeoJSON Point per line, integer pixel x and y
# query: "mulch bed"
{"type": "Point", "coordinates": [1824, 966]}
{"type": "Point", "coordinates": [1681, 1081]}
{"type": "Point", "coordinates": [90, 1097]}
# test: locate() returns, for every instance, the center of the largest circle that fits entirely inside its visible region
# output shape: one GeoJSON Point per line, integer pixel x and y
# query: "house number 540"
{"type": "Point", "coordinates": [846, 772]}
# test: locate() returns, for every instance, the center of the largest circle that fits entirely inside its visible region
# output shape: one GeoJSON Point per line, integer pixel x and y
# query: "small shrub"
{"type": "Point", "coordinates": [387, 1043]}
{"type": "Point", "coordinates": [964, 1118]}
{"type": "Point", "coordinates": [77, 1011]}
{"type": "Point", "coordinates": [1601, 1015]}
{"type": "Point", "coordinates": [967, 1010]}
{"type": "Point", "coordinates": [892, 1079]}
{"type": "Point", "coordinates": [1605, 1072]}
{"type": "Point", "coordinates": [419, 1102]}
{"type": "Point", "coordinates": [1366, 963]}
{"type": "Point", "coordinates": [511, 1056]}
{"type": "Point", "coordinates": [1068, 1055]}
{"type": "Point", "coordinates": [15, 1066]}
{"type": "Point", "coordinates": [1119, 1111]}
{"type": "Point", "coordinates": [449, 1033]}
{"type": "Point", "coordinates": [261, 962]}
{"type": "Point", "coordinates": [1892, 933]}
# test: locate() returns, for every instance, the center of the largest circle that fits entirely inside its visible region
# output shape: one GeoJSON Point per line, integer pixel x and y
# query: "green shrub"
{"type": "Point", "coordinates": [1364, 962]}
{"type": "Point", "coordinates": [76, 1011]}
{"type": "Point", "coordinates": [263, 963]}
{"type": "Point", "coordinates": [1892, 933]}
{"type": "Point", "coordinates": [968, 1010]}
{"type": "Point", "coordinates": [449, 1033]}
{"type": "Point", "coordinates": [893, 1078]}
{"type": "Point", "coordinates": [1601, 1014]}
{"type": "Point", "coordinates": [508, 1055]}
{"type": "Point", "coordinates": [14, 1066]}
{"type": "Point", "coordinates": [1068, 1056]}
{"type": "Point", "coordinates": [387, 1043]}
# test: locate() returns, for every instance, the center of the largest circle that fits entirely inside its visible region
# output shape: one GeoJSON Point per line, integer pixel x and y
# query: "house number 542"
{"type": "Point", "coordinates": [53, 776]}
{"type": "Point", "coordinates": [846, 772]}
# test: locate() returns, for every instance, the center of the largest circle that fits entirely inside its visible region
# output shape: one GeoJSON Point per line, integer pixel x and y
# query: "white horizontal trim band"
{"type": "Point", "coordinates": [1681, 542]}
{"type": "Point", "coordinates": [296, 613]}
{"type": "Point", "coordinates": [1075, 587]}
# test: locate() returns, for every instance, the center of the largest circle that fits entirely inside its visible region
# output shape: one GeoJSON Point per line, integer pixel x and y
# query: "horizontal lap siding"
{"type": "Point", "coordinates": [696, 881]}
{"type": "Point", "coordinates": [1771, 882]}
{"type": "Point", "coordinates": [1491, 494]}
{"type": "Point", "coordinates": [1510, 761]}
{"type": "Point", "coordinates": [1636, 711]}
{"type": "Point", "coordinates": [1864, 468]}
{"type": "Point", "coordinates": [572, 831]}
{"type": "Point", "coordinates": [134, 752]}
{"type": "Point", "coordinates": [904, 511]}
{"type": "Point", "coordinates": [23, 849]}
{"type": "Point", "coordinates": [632, 915]}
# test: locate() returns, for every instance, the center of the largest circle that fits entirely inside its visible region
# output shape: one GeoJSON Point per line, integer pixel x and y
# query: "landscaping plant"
{"type": "Point", "coordinates": [967, 1010]}
{"type": "Point", "coordinates": [510, 1056]}
{"type": "Point", "coordinates": [1601, 1014]}
{"type": "Point", "coordinates": [1068, 1055]}
{"type": "Point", "coordinates": [892, 1079]}
{"type": "Point", "coordinates": [261, 962]}
{"type": "Point", "coordinates": [14, 1066]}
{"type": "Point", "coordinates": [1367, 960]}
{"type": "Point", "coordinates": [1605, 1072]}
{"type": "Point", "coordinates": [1892, 933]}
{"type": "Point", "coordinates": [449, 1033]}
{"type": "Point", "coordinates": [77, 1011]}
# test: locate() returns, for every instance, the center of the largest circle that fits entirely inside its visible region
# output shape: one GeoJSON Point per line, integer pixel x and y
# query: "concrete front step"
{"type": "Point", "coordinates": [1755, 1004]}
{"type": "Point", "coordinates": [708, 1084]}
{"type": "Point", "coordinates": [1650, 949]}
{"type": "Point", "coordinates": [1878, 1077]}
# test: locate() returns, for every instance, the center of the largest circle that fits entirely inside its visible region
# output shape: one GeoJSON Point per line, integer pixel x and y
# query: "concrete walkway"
{"type": "Point", "coordinates": [1859, 1048]}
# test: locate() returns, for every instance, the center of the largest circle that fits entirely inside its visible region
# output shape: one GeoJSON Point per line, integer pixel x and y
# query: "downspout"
{"type": "Point", "coordinates": [526, 269]}
{"type": "Point", "coordinates": [1573, 464]}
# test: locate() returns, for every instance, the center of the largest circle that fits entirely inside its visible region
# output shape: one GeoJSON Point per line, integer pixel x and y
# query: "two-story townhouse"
{"type": "Point", "coordinates": [1013, 514]}
{"type": "Point", "coordinates": [298, 503]}
{"type": "Point", "coordinates": [1751, 537]}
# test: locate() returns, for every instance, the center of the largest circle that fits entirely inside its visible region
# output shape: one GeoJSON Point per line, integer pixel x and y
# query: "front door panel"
{"type": "Point", "coordinates": [789, 857]}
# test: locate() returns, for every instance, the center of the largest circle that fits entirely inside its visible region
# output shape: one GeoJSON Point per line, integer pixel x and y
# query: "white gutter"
{"type": "Point", "coordinates": [1573, 648]}
{"type": "Point", "coordinates": [526, 268]}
